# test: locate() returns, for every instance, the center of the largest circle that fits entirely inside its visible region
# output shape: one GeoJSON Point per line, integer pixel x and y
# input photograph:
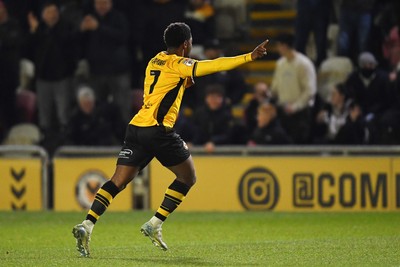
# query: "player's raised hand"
{"type": "Point", "coordinates": [260, 50]}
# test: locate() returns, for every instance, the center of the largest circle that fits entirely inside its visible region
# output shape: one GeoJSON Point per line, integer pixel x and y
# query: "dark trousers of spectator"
{"type": "Point", "coordinates": [354, 27]}
{"type": "Point", "coordinates": [114, 88]}
{"type": "Point", "coordinates": [312, 16]}
{"type": "Point", "coordinates": [8, 89]}
{"type": "Point", "coordinates": [53, 96]}
{"type": "Point", "coordinates": [297, 125]}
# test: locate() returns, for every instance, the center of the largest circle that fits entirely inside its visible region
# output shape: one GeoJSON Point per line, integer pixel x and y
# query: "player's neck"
{"type": "Point", "coordinates": [175, 51]}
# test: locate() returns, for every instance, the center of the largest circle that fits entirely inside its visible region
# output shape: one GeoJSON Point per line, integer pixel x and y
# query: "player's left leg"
{"type": "Point", "coordinates": [82, 232]}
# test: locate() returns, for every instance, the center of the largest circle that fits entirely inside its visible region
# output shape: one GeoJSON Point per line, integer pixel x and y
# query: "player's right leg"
{"type": "Point", "coordinates": [132, 158]}
{"type": "Point", "coordinates": [82, 232]}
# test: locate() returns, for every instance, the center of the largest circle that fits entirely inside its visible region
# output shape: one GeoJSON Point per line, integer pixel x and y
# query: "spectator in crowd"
{"type": "Point", "coordinates": [391, 47]}
{"type": "Point", "coordinates": [136, 13]}
{"type": "Point", "coordinates": [368, 86]}
{"type": "Point", "coordinates": [389, 123]}
{"type": "Point", "coordinates": [11, 40]}
{"type": "Point", "coordinates": [73, 11]}
{"type": "Point", "coordinates": [232, 81]}
{"type": "Point", "coordinates": [94, 125]}
{"type": "Point", "coordinates": [231, 19]}
{"type": "Point", "coordinates": [105, 37]}
{"type": "Point", "coordinates": [213, 120]}
{"type": "Point", "coordinates": [200, 18]}
{"type": "Point", "coordinates": [261, 94]}
{"type": "Point", "coordinates": [331, 118]}
{"type": "Point", "coordinates": [354, 131]}
{"type": "Point", "coordinates": [269, 130]}
{"type": "Point", "coordinates": [294, 86]}
{"type": "Point", "coordinates": [388, 15]}
{"type": "Point", "coordinates": [184, 126]}
{"type": "Point", "coordinates": [355, 21]}
{"type": "Point", "coordinates": [313, 16]}
{"type": "Point", "coordinates": [395, 89]}
{"type": "Point", "coordinates": [157, 15]}
{"type": "Point", "coordinates": [386, 44]}
{"type": "Point", "coordinates": [52, 49]}
{"type": "Point", "coordinates": [19, 11]}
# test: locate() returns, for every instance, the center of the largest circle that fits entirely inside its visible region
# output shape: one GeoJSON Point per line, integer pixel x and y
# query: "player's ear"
{"type": "Point", "coordinates": [185, 44]}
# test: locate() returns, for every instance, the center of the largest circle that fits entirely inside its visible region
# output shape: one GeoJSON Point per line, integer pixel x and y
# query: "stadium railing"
{"type": "Point", "coordinates": [296, 150]}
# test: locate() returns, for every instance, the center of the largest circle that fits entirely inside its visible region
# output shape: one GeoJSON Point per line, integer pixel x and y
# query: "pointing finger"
{"type": "Point", "coordinates": [263, 44]}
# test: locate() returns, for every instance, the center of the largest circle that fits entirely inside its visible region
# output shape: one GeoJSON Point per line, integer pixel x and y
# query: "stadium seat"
{"type": "Point", "coordinates": [332, 71]}
{"type": "Point", "coordinates": [23, 134]}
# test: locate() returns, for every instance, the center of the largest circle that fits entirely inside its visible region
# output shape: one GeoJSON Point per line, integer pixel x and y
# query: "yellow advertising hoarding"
{"type": "Point", "coordinates": [286, 184]}
{"type": "Point", "coordinates": [76, 181]}
{"type": "Point", "coordinates": [20, 184]}
{"type": "Point", "coordinates": [396, 183]}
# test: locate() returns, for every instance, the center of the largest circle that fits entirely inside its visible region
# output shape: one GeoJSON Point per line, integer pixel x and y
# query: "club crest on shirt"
{"type": "Point", "coordinates": [188, 62]}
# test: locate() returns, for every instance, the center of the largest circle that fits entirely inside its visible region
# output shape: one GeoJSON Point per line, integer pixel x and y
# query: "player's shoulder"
{"type": "Point", "coordinates": [183, 61]}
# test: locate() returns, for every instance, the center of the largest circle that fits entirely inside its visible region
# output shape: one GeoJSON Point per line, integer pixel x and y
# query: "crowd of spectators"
{"type": "Point", "coordinates": [89, 55]}
{"type": "Point", "coordinates": [59, 46]}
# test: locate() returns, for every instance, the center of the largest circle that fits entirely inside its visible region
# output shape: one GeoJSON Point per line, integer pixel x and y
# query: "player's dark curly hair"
{"type": "Point", "coordinates": [176, 34]}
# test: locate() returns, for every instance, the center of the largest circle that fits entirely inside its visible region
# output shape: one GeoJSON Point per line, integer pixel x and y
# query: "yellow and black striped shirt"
{"type": "Point", "coordinates": [165, 81]}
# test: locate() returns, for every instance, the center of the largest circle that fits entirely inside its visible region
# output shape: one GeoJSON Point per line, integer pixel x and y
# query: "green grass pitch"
{"type": "Point", "coordinates": [205, 239]}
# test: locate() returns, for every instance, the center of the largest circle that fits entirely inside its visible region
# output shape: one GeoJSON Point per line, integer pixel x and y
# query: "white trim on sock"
{"type": "Point", "coordinates": [155, 221]}
{"type": "Point", "coordinates": [88, 225]}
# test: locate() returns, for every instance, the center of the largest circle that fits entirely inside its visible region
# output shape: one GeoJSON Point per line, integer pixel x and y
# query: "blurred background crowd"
{"type": "Point", "coordinates": [71, 71]}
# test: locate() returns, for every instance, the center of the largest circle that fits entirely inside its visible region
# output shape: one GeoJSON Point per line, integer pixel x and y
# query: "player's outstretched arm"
{"type": "Point", "coordinates": [206, 67]}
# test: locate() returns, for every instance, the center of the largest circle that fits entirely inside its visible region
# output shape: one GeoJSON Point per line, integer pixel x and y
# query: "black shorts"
{"type": "Point", "coordinates": [142, 144]}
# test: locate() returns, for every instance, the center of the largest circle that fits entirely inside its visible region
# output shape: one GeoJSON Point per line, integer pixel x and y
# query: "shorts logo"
{"type": "Point", "coordinates": [188, 62]}
{"type": "Point", "coordinates": [258, 189]}
{"type": "Point", "coordinates": [87, 186]}
{"type": "Point", "coordinates": [185, 146]}
{"type": "Point", "coordinates": [125, 153]}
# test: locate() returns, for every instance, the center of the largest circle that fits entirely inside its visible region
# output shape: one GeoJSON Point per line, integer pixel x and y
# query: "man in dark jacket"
{"type": "Point", "coordinates": [52, 45]}
{"type": "Point", "coordinates": [269, 130]}
{"type": "Point", "coordinates": [94, 125]}
{"type": "Point", "coordinates": [10, 48]}
{"type": "Point", "coordinates": [105, 40]}
{"type": "Point", "coordinates": [369, 86]}
{"type": "Point", "coordinates": [213, 121]}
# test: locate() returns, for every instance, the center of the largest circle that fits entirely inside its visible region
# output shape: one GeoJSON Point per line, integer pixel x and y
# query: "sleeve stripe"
{"type": "Point", "coordinates": [194, 70]}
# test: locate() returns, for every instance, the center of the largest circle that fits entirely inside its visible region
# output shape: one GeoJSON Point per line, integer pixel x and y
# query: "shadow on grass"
{"type": "Point", "coordinates": [182, 261]}
{"type": "Point", "coordinates": [194, 261]}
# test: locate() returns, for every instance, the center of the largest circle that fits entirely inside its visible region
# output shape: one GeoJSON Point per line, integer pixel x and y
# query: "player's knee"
{"type": "Point", "coordinates": [193, 180]}
{"type": "Point", "coordinates": [188, 180]}
{"type": "Point", "coordinates": [120, 183]}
